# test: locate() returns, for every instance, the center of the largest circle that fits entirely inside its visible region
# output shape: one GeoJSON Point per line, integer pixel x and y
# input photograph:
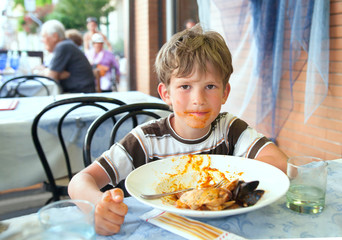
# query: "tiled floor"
{"type": "Point", "coordinates": [22, 201]}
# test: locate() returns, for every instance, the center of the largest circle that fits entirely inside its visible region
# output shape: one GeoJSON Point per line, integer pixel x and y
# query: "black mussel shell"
{"type": "Point", "coordinates": [246, 195]}
{"type": "Point", "coordinates": [250, 198]}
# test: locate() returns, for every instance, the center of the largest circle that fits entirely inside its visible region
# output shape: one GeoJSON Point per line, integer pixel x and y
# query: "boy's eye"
{"type": "Point", "coordinates": [185, 87]}
{"type": "Point", "coordinates": [211, 86]}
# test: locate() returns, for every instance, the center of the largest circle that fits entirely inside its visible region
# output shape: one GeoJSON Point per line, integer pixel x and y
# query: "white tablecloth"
{"type": "Point", "coordinates": [19, 161]}
{"type": "Point", "coordinates": [274, 221]}
{"type": "Point", "coordinates": [32, 88]}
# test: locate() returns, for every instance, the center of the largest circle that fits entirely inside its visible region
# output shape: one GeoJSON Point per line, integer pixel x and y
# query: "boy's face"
{"type": "Point", "coordinates": [196, 101]}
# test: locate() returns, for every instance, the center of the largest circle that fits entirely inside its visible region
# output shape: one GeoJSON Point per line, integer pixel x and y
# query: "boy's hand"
{"type": "Point", "coordinates": [110, 212]}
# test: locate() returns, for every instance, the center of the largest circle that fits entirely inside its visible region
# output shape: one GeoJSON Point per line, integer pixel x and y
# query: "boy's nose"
{"type": "Point", "coordinates": [198, 98]}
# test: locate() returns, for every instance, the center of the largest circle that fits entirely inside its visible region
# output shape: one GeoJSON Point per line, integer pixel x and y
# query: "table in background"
{"type": "Point", "coordinates": [270, 222]}
{"type": "Point", "coordinates": [20, 165]}
{"type": "Point", "coordinates": [31, 88]}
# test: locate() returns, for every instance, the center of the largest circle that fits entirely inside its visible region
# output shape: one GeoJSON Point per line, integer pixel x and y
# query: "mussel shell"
{"type": "Point", "coordinates": [246, 195]}
{"type": "Point", "coordinates": [244, 188]}
{"type": "Point", "coordinates": [247, 187]}
{"type": "Point", "coordinates": [251, 198]}
{"type": "Point", "coordinates": [237, 189]}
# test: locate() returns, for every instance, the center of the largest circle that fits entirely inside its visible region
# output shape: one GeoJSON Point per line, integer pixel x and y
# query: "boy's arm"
{"type": "Point", "coordinates": [91, 179]}
{"type": "Point", "coordinates": [110, 210]}
{"type": "Point", "coordinates": [273, 155]}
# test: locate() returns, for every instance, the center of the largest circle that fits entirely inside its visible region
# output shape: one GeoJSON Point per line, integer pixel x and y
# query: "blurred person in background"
{"type": "Point", "coordinates": [189, 23]}
{"type": "Point", "coordinates": [68, 64]}
{"type": "Point", "coordinates": [75, 36]}
{"type": "Point", "coordinates": [92, 27]}
{"type": "Point", "coordinates": [8, 33]}
{"type": "Point", "coordinates": [103, 62]}
{"type": "Point", "coordinates": [2, 29]}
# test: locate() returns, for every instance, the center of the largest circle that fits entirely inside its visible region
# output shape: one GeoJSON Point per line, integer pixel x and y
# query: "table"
{"type": "Point", "coordinates": [270, 222]}
{"type": "Point", "coordinates": [31, 88]}
{"type": "Point", "coordinates": [17, 153]}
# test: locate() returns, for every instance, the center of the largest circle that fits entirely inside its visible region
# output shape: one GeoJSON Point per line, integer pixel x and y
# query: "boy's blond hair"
{"type": "Point", "coordinates": [190, 48]}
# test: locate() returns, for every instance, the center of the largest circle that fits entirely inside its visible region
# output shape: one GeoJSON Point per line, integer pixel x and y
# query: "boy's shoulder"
{"type": "Point", "coordinates": [156, 126]}
{"type": "Point", "coordinates": [226, 120]}
{"type": "Point", "coordinates": [224, 116]}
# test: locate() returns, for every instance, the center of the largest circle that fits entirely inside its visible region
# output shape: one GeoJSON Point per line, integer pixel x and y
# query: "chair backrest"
{"type": "Point", "coordinates": [67, 110]}
{"type": "Point", "coordinates": [14, 87]}
{"type": "Point", "coordinates": [128, 117]}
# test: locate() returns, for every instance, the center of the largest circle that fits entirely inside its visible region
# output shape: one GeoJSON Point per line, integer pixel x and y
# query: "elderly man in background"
{"type": "Point", "coordinates": [103, 62]}
{"type": "Point", "coordinates": [68, 64]}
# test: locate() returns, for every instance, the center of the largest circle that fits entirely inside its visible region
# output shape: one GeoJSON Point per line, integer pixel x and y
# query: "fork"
{"type": "Point", "coordinates": [155, 196]}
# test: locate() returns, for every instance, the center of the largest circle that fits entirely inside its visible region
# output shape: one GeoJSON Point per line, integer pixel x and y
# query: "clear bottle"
{"type": "Point", "coordinates": [8, 60]}
{"type": "Point", "coordinates": [24, 65]}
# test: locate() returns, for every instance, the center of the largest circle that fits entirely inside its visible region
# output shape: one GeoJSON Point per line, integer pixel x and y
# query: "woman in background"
{"type": "Point", "coordinates": [103, 63]}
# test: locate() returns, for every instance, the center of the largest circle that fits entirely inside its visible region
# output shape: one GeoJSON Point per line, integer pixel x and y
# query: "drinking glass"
{"type": "Point", "coordinates": [73, 217]}
{"type": "Point", "coordinates": [45, 235]}
{"type": "Point", "coordinates": [308, 178]}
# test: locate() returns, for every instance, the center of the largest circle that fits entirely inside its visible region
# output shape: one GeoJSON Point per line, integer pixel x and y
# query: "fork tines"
{"type": "Point", "coordinates": [221, 183]}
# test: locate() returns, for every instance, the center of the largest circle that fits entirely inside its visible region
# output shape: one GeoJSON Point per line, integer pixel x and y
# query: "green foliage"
{"type": "Point", "coordinates": [73, 13]}
{"type": "Point", "coordinates": [26, 23]}
{"type": "Point", "coordinates": [38, 2]}
{"type": "Point", "coordinates": [43, 2]}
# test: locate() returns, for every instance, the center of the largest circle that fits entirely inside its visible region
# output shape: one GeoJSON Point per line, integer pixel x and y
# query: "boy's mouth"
{"type": "Point", "coordinates": [198, 119]}
{"type": "Point", "coordinates": [197, 114]}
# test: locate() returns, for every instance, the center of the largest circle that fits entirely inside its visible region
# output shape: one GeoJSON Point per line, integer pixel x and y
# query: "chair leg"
{"type": "Point", "coordinates": [114, 87]}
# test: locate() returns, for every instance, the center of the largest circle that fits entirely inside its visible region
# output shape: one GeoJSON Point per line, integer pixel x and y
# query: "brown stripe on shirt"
{"type": "Point", "coordinates": [155, 128]}
{"type": "Point", "coordinates": [259, 144]}
{"type": "Point", "coordinates": [235, 131]}
{"type": "Point", "coordinates": [108, 169]}
{"type": "Point", "coordinates": [131, 145]}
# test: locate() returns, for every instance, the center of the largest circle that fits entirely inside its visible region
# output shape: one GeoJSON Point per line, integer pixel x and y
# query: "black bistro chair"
{"type": "Point", "coordinates": [128, 117]}
{"type": "Point", "coordinates": [15, 87]}
{"type": "Point", "coordinates": [66, 109]}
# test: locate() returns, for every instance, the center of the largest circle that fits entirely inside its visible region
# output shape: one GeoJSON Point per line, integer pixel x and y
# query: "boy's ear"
{"type": "Point", "coordinates": [226, 93]}
{"type": "Point", "coordinates": [164, 94]}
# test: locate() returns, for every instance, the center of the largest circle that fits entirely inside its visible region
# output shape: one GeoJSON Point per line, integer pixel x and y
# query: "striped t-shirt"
{"type": "Point", "coordinates": [156, 140]}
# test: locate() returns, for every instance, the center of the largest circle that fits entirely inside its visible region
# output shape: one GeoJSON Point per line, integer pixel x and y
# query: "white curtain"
{"type": "Point", "coordinates": [267, 39]}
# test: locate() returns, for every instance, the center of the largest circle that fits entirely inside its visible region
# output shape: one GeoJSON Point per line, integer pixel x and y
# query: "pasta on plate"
{"type": "Point", "coordinates": [196, 172]}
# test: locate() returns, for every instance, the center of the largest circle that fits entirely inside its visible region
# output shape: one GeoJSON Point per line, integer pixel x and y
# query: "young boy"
{"type": "Point", "coordinates": [194, 69]}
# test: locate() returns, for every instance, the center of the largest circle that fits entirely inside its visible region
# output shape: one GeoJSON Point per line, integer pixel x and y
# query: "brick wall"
{"type": "Point", "coordinates": [321, 136]}
{"type": "Point", "coordinates": [146, 45]}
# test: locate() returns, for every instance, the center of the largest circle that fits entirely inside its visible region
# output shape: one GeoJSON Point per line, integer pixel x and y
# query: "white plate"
{"type": "Point", "coordinates": [145, 179]}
